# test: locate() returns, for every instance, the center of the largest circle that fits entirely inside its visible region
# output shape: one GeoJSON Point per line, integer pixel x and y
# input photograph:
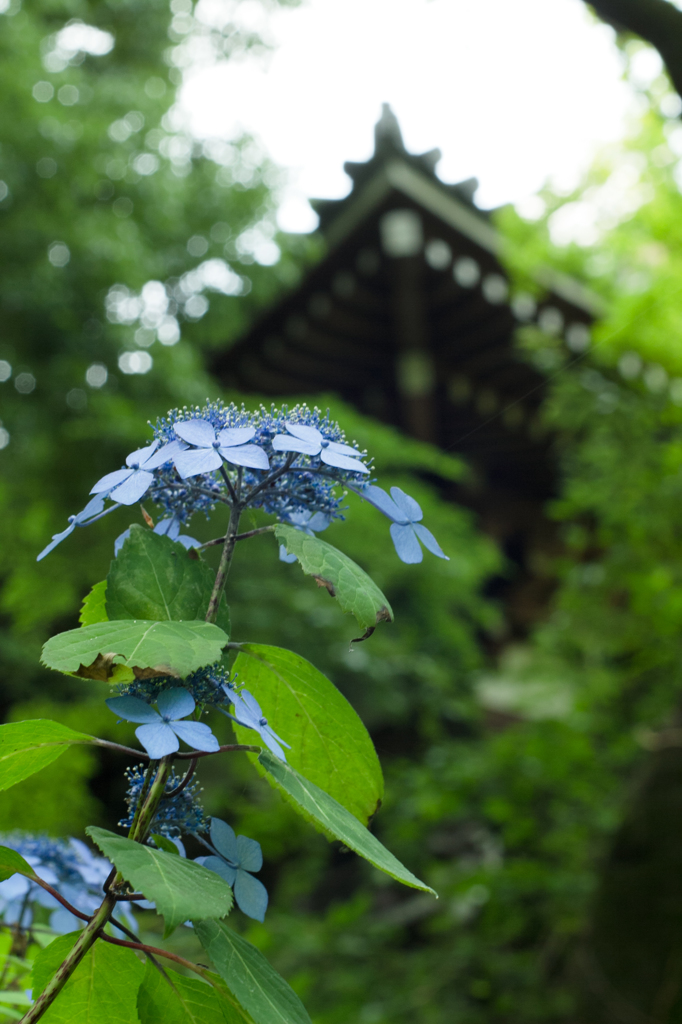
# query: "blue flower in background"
{"type": "Point", "coordinates": [160, 729]}
{"type": "Point", "coordinates": [210, 448]}
{"type": "Point", "coordinates": [66, 864]}
{"type": "Point", "coordinates": [406, 529]}
{"type": "Point", "coordinates": [310, 441]}
{"type": "Point", "coordinates": [235, 857]}
{"type": "Point", "coordinates": [91, 511]}
{"type": "Point", "coordinates": [310, 523]}
{"type": "Point", "coordinates": [127, 486]}
{"type": "Point", "coordinates": [247, 712]}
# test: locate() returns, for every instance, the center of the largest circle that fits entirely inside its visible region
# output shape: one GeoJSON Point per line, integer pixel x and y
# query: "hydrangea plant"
{"type": "Point", "coordinates": [157, 630]}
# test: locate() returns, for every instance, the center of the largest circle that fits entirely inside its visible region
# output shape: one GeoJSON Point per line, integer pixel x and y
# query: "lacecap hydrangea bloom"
{"type": "Point", "coordinates": [289, 463]}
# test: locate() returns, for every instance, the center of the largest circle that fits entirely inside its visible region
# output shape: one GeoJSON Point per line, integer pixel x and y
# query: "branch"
{"type": "Point", "coordinates": [64, 903]}
{"type": "Point", "coordinates": [155, 951]}
{"type": "Point", "coordinates": [656, 21]}
{"type": "Point", "coordinates": [221, 750]}
{"type": "Point", "coordinates": [240, 536]}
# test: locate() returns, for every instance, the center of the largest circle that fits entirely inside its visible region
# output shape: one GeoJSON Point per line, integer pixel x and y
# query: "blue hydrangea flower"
{"type": "Point", "coordinates": [247, 712]}
{"type": "Point", "coordinates": [66, 864]}
{"type": "Point", "coordinates": [210, 448]}
{"type": "Point", "coordinates": [93, 509]}
{"type": "Point", "coordinates": [406, 529]}
{"type": "Point", "coordinates": [310, 523]}
{"type": "Point", "coordinates": [127, 486]}
{"type": "Point", "coordinates": [310, 441]}
{"type": "Point", "coordinates": [166, 528]}
{"type": "Point", "coordinates": [177, 815]}
{"type": "Point", "coordinates": [160, 729]}
{"type": "Point", "coordinates": [235, 857]}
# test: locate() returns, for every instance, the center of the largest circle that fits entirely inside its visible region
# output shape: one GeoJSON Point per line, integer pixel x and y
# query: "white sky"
{"type": "Point", "coordinates": [512, 91]}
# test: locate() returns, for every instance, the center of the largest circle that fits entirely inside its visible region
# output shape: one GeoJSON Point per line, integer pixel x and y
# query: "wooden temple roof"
{"type": "Point", "coordinates": [410, 316]}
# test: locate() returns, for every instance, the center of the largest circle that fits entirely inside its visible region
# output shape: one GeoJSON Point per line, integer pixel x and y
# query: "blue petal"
{"type": "Point", "coordinates": [282, 443]}
{"type": "Point", "coordinates": [429, 541]}
{"type": "Point", "coordinates": [378, 497]}
{"type": "Point", "coordinates": [407, 505]}
{"type": "Point", "coordinates": [219, 866]}
{"type": "Point", "coordinates": [120, 541]}
{"type": "Point", "coordinates": [139, 457]}
{"type": "Point", "coordinates": [271, 732]}
{"type": "Point", "coordinates": [342, 461]}
{"type": "Point", "coordinates": [175, 703]}
{"type": "Point", "coordinates": [250, 895]}
{"type": "Point", "coordinates": [168, 528]}
{"type": "Point", "coordinates": [158, 740]}
{"type": "Point", "coordinates": [196, 461]}
{"type": "Point", "coordinates": [188, 542]}
{"type": "Point", "coordinates": [310, 434]}
{"type": "Point", "coordinates": [132, 489]}
{"type": "Point", "coordinates": [249, 455]}
{"type": "Point", "coordinates": [406, 543]}
{"type": "Point", "coordinates": [319, 522]}
{"type": "Point", "coordinates": [270, 742]}
{"type": "Point", "coordinates": [197, 735]}
{"type": "Point", "coordinates": [249, 854]}
{"type": "Point", "coordinates": [111, 480]}
{"type": "Point", "coordinates": [231, 436]}
{"type": "Point", "coordinates": [224, 839]}
{"type": "Point", "coordinates": [56, 539]}
{"type": "Point", "coordinates": [198, 432]}
{"type": "Point", "coordinates": [252, 704]}
{"type": "Point", "coordinates": [132, 709]}
{"type": "Point", "coordinates": [165, 454]}
{"type": "Point", "coordinates": [284, 556]}
{"type": "Point", "coordinates": [93, 508]}
{"type": "Point", "coordinates": [343, 449]}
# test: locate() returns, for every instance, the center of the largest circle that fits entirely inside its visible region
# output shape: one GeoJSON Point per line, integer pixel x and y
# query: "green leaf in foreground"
{"type": "Point", "coordinates": [156, 578]}
{"type": "Point", "coordinates": [180, 888]}
{"type": "Point", "coordinates": [330, 746]}
{"type": "Point", "coordinates": [27, 747]}
{"type": "Point", "coordinates": [185, 1001]}
{"type": "Point", "coordinates": [12, 863]}
{"type": "Point", "coordinates": [355, 591]}
{"type": "Point", "coordinates": [246, 972]}
{"type": "Point", "coordinates": [147, 648]}
{"type": "Point", "coordinates": [94, 609]}
{"type": "Point", "coordinates": [102, 990]}
{"type": "Point", "coordinates": [335, 821]}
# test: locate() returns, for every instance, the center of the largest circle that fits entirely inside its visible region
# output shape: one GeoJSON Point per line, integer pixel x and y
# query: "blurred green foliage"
{"type": "Point", "coordinates": [504, 783]}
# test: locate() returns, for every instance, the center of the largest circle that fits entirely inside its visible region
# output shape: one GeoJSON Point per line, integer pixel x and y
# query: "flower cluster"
{"type": "Point", "coordinates": [289, 463]}
{"type": "Point", "coordinates": [69, 867]}
{"type": "Point", "coordinates": [161, 730]}
{"type": "Point", "coordinates": [177, 815]}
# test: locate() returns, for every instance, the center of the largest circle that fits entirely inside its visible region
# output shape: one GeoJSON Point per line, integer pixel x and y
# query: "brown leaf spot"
{"type": "Point", "coordinates": [327, 584]}
{"type": "Point", "coordinates": [101, 668]}
{"type": "Point", "coordinates": [153, 673]}
{"type": "Point", "coordinates": [365, 636]}
{"type": "Point", "coordinates": [147, 518]}
{"type": "Point", "coordinates": [383, 615]}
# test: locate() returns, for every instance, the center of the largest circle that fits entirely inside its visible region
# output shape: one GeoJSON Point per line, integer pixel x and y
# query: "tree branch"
{"type": "Point", "coordinates": [656, 21]}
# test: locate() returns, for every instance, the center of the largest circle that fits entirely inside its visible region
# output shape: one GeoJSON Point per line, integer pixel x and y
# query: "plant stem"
{"type": "Point", "coordinates": [156, 790]}
{"type": "Point", "coordinates": [66, 969]}
{"type": "Point", "coordinates": [225, 561]}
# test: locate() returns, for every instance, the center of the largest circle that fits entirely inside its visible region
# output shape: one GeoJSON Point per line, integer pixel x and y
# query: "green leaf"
{"type": "Point", "coordinates": [12, 863]}
{"type": "Point", "coordinates": [102, 990]}
{"type": "Point", "coordinates": [330, 746]}
{"type": "Point", "coordinates": [346, 581]}
{"type": "Point", "coordinates": [164, 843]}
{"type": "Point", "coordinates": [26, 747]}
{"type": "Point", "coordinates": [184, 1001]}
{"type": "Point", "coordinates": [246, 972]}
{"type": "Point", "coordinates": [180, 888]}
{"type": "Point", "coordinates": [156, 578]}
{"type": "Point", "coordinates": [93, 608]}
{"type": "Point", "coordinates": [335, 821]}
{"type": "Point", "coordinates": [148, 648]}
